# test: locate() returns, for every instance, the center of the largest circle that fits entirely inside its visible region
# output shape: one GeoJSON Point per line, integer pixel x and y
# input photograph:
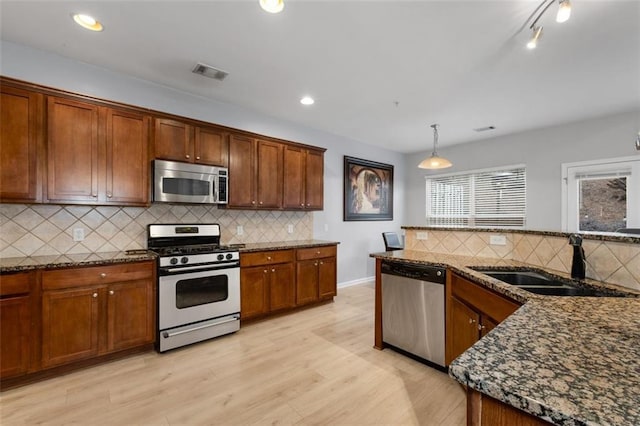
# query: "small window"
{"type": "Point", "coordinates": [482, 198]}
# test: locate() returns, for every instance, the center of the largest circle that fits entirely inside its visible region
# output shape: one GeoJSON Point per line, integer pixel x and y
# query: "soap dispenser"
{"type": "Point", "coordinates": [579, 264]}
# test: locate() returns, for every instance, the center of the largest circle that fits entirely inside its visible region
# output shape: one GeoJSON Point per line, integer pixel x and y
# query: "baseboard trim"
{"type": "Point", "coordinates": [356, 282]}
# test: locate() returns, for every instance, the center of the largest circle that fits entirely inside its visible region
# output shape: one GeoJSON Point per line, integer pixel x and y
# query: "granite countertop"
{"type": "Point", "coordinates": [27, 263]}
{"type": "Point", "coordinates": [568, 360]}
{"type": "Point", "coordinates": [283, 245]}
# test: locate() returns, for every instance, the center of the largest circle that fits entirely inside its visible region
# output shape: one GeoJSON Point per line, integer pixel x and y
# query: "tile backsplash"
{"type": "Point", "coordinates": [45, 229]}
{"type": "Point", "coordinates": [612, 262]}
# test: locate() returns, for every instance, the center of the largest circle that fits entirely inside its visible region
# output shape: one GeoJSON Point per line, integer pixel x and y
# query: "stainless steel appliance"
{"type": "Point", "coordinates": [175, 182]}
{"type": "Point", "coordinates": [413, 304]}
{"type": "Point", "coordinates": [198, 284]}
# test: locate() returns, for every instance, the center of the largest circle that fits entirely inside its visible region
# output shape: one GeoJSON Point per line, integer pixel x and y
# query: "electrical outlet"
{"type": "Point", "coordinates": [239, 230]}
{"type": "Point", "coordinates": [422, 235]}
{"type": "Point", "coordinates": [326, 227]}
{"type": "Point", "coordinates": [497, 240]}
{"type": "Point", "coordinates": [290, 229]}
{"type": "Point", "coordinates": [78, 234]}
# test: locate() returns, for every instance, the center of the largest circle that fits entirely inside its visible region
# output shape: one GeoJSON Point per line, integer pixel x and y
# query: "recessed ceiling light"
{"type": "Point", "coordinates": [272, 6]}
{"type": "Point", "coordinates": [87, 21]}
{"type": "Point", "coordinates": [307, 100]}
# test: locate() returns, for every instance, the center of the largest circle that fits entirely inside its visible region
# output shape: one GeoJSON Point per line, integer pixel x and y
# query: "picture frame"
{"type": "Point", "coordinates": [368, 190]}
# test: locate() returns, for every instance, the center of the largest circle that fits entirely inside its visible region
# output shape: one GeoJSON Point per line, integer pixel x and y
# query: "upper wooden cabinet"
{"type": "Point", "coordinates": [303, 178]}
{"type": "Point", "coordinates": [21, 133]}
{"type": "Point", "coordinates": [178, 141]}
{"type": "Point", "coordinates": [96, 155]}
{"type": "Point", "coordinates": [255, 173]}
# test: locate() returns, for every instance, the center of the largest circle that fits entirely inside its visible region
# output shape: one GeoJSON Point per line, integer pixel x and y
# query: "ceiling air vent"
{"type": "Point", "coordinates": [209, 71]}
{"type": "Point", "coordinates": [484, 129]}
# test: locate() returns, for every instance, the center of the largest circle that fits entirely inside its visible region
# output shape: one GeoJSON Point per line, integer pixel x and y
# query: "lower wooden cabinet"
{"type": "Point", "coordinates": [15, 323]}
{"type": "Point", "coordinates": [88, 312]}
{"type": "Point", "coordinates": [472, 312]}
{"type": "Point", "coordinates": [482, 410]}
{"type": "Point", "coordinates": [316, 274]}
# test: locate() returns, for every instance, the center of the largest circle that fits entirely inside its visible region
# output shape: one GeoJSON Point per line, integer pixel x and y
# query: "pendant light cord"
{"type": "Point", "coordinates": [435, 138]}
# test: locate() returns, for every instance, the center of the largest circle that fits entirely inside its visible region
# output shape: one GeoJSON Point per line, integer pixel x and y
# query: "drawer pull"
{"type": "Point", "coordinates": [94, 295]}
{"type": "Point", "coordinates": [273, 270]}
{"type": "Point", "coordinates": [187, 156]}
{"type": "Point", "coordinates": [103, 275]}
{"type": "Point", "coordinates": [471, 321]}
{"type": "Point", "coordinates": [111, 292]}
{"type": "Point", "coordinates": [268, 257]}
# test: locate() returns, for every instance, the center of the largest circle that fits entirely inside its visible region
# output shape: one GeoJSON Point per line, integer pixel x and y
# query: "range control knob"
{"type": "Point", "coordinates": [220, 256]}
{"type": "Point", "coordinates": [184, 260]}
{"type": "Point", "coordinates": [173, 260]}
{"type": "Point", "coordinates": [229, 256]}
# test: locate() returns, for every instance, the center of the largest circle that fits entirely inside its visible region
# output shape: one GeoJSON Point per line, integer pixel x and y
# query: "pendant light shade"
{"type": "Point", "coordinates": [435, 161]}
{"type": "Point", "coordinates": [564, 11]}
{"type": "Point", "coordinates": [272, 6]}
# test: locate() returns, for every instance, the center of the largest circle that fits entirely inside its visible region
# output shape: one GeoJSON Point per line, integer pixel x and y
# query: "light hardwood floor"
{"type": "Point", "coordinates": [316, 366]}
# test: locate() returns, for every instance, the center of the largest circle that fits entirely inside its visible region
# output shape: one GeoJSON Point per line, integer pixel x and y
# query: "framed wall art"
{"type": "Point", "coordinates": [368, 190]}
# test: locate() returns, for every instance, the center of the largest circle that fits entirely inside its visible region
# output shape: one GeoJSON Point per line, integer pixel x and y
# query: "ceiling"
{"type": "Point", "coordinates": [380, 71]}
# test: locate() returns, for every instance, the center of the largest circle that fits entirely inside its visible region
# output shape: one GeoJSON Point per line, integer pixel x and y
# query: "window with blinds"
{"type": "Point", "coordinates": [484, 198]}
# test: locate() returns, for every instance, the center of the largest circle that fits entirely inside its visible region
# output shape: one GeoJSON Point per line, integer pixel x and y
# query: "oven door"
{"type": "Point", "coordinates": [185, 298]}
{"type": "Point", "coordinates": [179, 186]}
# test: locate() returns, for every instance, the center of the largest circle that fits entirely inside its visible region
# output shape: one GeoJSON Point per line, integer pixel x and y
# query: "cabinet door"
{"type": "Point", "coordinates": [69, 325]}
{"type": "Point", "coordinates": [130, 316]}
{"type": "Point", "coordinates": [173, 140]}
{"type": "Point", "coordinates": [72, 145]}
{"type": "Point", "coordinates": [463, 327]}
{"type": "Point", "coordinates": [242, 191]}
{"type": "Point", "coordinates": [254, 284]}
{"type": "Point", "coordinates": [127, 165]}
{"type": "Point", "coordinates": [306, 281]}
{"type": "Point", "coordinates": [269, 178]}
{"type": "Point", "coordinates": [211, 146]}
{"type": "Point", "coordinates": [282, 291]}
{"type": "Point", "coordinates": [20, 115]}
{"type": "Point", "coordinates": [15, 327]}
{"type": "Point", "coordinates": [314, 180]}
{"type": "Point", "coordinates": [294, 184]}
{"type": "Point", "coordinates": [327, 280]}
{"type": "Point", "coordinates": [486, 325]}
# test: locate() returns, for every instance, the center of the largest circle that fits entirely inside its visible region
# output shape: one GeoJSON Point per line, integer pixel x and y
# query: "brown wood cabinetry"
{"type": "Point", "coordinates": [487, 411]}
{"type": "Point", "coordinates": [180, 141]}
{"type": "Point", "coordinates": [315, 274]}
{"type": "Point", "coordinates": [87, 312]}
{"type": "Point", "coordinates": [21, 133]}
{"type": "Point", "coordinates": [266, 282]}
{"type": "Point", "coordinates": [255, 173]}
{"type": "Point", "coordinates": [15, 323]}
{"type": "Point", "coordinates": [96, 155]}
{"type": "Point", "coordinates": [472, 311]}
{"type": "Point", "coordinates": [303, 186]}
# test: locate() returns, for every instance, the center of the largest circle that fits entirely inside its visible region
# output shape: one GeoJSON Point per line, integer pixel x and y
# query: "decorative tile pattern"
{"type": "Point", "coordinates": [616, 262]}
{"type": "Point", "coordinates": [39, 230]}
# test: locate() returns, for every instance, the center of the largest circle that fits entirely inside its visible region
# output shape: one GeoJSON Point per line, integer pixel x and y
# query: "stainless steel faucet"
{"type": "Point", "coordinates": [579, 264]}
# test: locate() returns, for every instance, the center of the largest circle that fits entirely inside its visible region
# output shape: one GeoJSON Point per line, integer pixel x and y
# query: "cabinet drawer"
{"type": "Point", "coordinates": [266, 257]}
{"type": "Point", "coordinates": [316, 252]}
{"type": "Point", "coordinates": [487, 302]}
{"type": "Point", "coordinates": [79, 277]}
{"type": "Point", "coordinates": [19, 283]}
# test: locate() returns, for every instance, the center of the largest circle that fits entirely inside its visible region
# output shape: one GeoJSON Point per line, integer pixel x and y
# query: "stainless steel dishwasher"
{"type": "Point", "coordinates": [413, 310]}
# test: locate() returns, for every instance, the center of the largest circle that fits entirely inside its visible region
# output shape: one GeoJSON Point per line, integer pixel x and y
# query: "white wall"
{"type": "Point", "coordinates": [543, 151]}
{"type": "Point", "coordinates": [357, 239]}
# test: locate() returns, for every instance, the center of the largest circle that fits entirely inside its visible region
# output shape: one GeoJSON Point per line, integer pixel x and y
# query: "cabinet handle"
{"type": "Point", "coordinates": [273, 270]}
{"type": "Point", "coordinates": [94, 295]}
{"type": "Point", "coordinates": [109, 195]}
{"type": "Point", "coordinates": [260, 203]}
{"type": "Point", "coordinates": [197, 158]}
{"type": "Point", "coordinates": [308, 204]}
{"type": "Point", "coordinates": [268, 257]}
{"type": "Point", "coordinates": [318, 252]}
{"type": "Point", "coordinates": [302, 205]}
{"type": "Point", "coordinates": [471, 321]}
{"type": "Point", "coordinates": [315, 264]}
{"type": "Point", "coordinates": [481, 327]}
{"type": "Point", "coordinates": [253, 202]}
{"type": "Point", "coordinates": [94, 195]}
{"type": "Point", "coordinates": [322, 263]}
{"type": "Point", "coordinates": [187, 156]}
{"type": "Point", "coordinates": [265, 271]}
{"type": "Point", "coordinates": [103, 275]}
{"type": "Point", "coordinates": [111, 292]}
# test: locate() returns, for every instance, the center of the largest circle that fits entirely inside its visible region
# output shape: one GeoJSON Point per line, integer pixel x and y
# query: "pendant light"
{"type": "Point", "coordinates": [435, 162]}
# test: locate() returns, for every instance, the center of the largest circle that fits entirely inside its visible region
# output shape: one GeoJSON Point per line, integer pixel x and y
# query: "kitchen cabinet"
{"type": "Point", "coordinates": [92, 311]}
{"type": "Point", "coordinates": [303, 186]}
{"type": "Point", "coordinates": [487, 411]}
{"type": "Point", "coordinates": [266, 282]}
{"type": "Point", "coordinates": [316, 274]}
{"type": "Point", "coordinates": [180, 141]}
{"type": "Point", "coordinates": [21, 113]}
{"type": "Point", "coordinates": [472, 312]}
{"type": "Point", "coordinates": [15, 323]}
{"type": "Point", "coordinates": [255, 173]}
{"type": "Point", "coordinates": [96, 154]}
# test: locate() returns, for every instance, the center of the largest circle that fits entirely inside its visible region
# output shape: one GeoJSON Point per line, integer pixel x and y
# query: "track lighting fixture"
{"type": "Point", "coordinates": [564, 12]}
{"type": "Point", "coordinates": [434, 161]}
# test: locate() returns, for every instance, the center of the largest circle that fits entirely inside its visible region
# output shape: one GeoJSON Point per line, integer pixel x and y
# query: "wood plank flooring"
{"type": "Point", "coordinates": [316, 366]}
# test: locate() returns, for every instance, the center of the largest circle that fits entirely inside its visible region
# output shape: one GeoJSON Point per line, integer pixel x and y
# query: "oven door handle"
{"type": "Point", "coordinates": [166, 334]}
{"type": "Point", "coordinates": [226, 265]}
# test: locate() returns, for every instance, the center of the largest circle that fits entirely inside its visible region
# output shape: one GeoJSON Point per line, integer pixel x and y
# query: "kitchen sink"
{"type": "Point", "coordinates": [538, 283]}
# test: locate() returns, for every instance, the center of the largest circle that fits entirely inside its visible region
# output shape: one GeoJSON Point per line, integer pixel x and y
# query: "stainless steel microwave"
{"type": "Point", "coordinates": [175, 182]}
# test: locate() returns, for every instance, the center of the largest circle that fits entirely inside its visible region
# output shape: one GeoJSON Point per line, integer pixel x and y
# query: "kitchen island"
{"type": "Point", "coordinates": [566, 360]}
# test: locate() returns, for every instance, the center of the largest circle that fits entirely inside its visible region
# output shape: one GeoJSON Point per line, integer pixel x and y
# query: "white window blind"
{"type": "Point", "coordinates": [482, 198]}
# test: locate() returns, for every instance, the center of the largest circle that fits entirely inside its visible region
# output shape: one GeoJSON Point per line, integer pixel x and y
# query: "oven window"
{"type": "Point", "coordinates": [200, 291]}
{"type": "Point", "coordinates": [183, 186]}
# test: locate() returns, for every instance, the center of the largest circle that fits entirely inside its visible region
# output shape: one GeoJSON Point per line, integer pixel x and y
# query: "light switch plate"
{"type": "Point", "coordinates": [78, 234]}
{"type": "Point", "coordinates": [290, 229]}
{"type": "Point", "coordinates": [422, 235]}
{"type": "Point", "coordinates": [498, 240]}
{"type": "Point", "coordinates": [239, 230]}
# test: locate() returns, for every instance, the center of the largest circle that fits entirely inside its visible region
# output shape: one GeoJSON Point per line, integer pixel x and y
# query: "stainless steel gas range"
{"type": "Point", "coordinates": [198, 284]}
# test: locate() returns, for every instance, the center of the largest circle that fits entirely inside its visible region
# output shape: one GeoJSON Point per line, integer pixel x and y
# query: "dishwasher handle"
{"type": "Point", "coordinates": [432, 274]}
